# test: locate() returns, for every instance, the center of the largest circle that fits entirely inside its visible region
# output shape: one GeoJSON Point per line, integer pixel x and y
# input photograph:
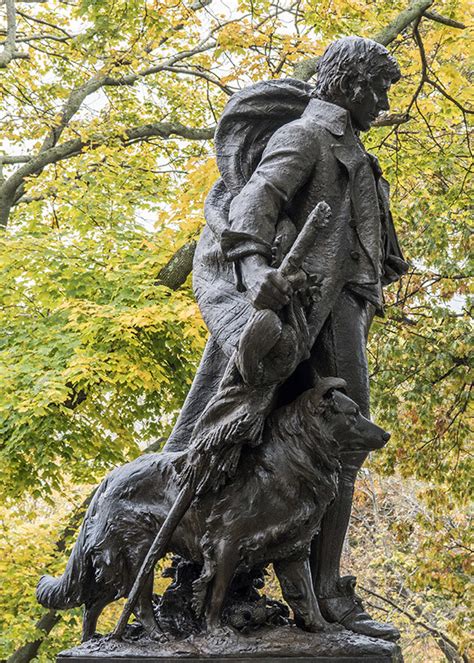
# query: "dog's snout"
{"type": "Point", "coordinates": [386, 437]}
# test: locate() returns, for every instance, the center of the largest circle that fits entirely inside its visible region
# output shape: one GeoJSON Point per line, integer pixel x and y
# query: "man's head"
{"type": "Point", "coordinates": [356, 73]}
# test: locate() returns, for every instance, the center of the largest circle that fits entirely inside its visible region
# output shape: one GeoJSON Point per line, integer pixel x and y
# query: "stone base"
{"type": "Point", "coordinates": [278, 644]}
{"type": "Point", "coordinates": [227, 659]}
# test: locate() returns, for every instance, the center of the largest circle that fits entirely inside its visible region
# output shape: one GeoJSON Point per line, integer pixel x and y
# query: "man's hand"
{"type": "Point", "coordinates": [267, 288]}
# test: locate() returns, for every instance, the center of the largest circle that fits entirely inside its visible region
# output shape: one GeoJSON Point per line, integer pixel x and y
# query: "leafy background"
{"type": "Point", "coordinates": [107, 120]}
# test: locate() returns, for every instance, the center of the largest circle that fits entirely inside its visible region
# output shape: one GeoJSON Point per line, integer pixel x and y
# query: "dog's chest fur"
{"type": "Point", "coordinates": [278, 512]}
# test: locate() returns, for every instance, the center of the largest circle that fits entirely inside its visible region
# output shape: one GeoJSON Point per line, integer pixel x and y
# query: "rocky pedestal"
{"type": "Point", "coordinates": [285, 643]}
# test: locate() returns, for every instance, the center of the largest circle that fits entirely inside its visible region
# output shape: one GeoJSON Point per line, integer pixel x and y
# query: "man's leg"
{"type": "Point", "coordinates": [341, 352]}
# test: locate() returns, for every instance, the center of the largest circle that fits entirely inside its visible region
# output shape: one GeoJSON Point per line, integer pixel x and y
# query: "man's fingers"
{"type": "Point", "coordinates": [270, 298]}
{"type": "Point", "coordinates": [297, 280]}
{"type": "Point", "coordinates": [262, 303]}
{"type": "Point", "coordinates": [280, 283]}
{"type": "Point", "coordinates": [272, 301]}
{"type": "Point", "coordinates": [272, 292]}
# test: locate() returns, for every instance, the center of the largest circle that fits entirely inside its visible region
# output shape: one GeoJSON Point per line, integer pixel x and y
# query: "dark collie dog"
{"type": "Point", "coordinates": [269, 512]}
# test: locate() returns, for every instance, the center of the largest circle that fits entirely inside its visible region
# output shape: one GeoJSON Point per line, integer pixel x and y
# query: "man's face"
{"type": "Point", "coordinates": [373, 99]}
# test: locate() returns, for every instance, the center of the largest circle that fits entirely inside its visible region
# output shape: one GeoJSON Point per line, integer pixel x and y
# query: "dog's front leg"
{"type": "Point", "coordinates": [297, 589]}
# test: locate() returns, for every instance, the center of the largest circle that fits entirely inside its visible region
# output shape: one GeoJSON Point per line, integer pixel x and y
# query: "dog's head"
{"type": "Point", "coordinates": [343, 418]}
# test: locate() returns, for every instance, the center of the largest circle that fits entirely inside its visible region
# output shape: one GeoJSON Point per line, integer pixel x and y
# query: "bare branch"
{"type": "Point", "coordinates": [42, 21]}
{"type": "Point", "coordinates": [15, 158]}
{"type": "Point", "coordinates": [9, 46]}
{"type": "Point", "coordinates": [130, 79]}
{"type": "Point", "coordinates": [40, 37]}
{"type": "Point", "coordinates": [307, 68]}
{"type": "Point", "coordinates": [426, 71]}
{"type": "Point", "coordinates": [11, 189]}
{"type": "Point", "coordinates": [402, 21]}
{"type": "Point", "coordinates": [434, 16]}
{"type": "Point", "coordinates": [435, 632]}
{"type": "Point", "coordinates": [391, 119]}
{"type": "Point", "coordinates": [79, 94]}
{"type": "Point", "coordinates": [200, 74]}
{"type": "Point", "coordinates": [179, 267]}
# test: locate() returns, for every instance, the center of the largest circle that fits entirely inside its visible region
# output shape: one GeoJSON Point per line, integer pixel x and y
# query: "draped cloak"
{"type": "Point", "coordinates": [280, 151]}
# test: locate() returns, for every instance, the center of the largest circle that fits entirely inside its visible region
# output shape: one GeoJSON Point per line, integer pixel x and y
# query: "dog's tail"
{"type": "Point", "coordinates": [67, 590]}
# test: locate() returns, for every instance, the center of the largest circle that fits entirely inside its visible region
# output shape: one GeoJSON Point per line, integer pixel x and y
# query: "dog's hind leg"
{"type": "Point", "coordinates": [91, 615]}
{"type": "Point", "coordinates": [144, 612]}
{"type": "Point", "coordinates": [227, 557]}
{"type": "Point", "coordinates": [297, 589]}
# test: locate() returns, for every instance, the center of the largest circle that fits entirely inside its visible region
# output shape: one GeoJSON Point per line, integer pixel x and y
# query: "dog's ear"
{"type": "Point", "coordinates": [325, 386]}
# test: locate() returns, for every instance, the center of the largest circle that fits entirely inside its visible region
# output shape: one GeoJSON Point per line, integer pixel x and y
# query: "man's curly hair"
{"type": "Point", "coordinates": [356, 61]}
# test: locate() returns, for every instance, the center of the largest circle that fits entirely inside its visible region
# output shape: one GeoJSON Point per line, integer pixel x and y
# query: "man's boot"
{"type": "Point", "coordinates": [336, 596]}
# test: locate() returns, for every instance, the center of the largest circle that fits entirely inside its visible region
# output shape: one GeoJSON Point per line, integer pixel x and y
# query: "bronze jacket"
{"type": "Point", "coordinates": [316, 157]}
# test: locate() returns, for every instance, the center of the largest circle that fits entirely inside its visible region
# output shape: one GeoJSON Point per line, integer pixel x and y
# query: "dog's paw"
{"type": "Point", "coordinates": [221, 632]}
{"type": "Point", "coordinates": [157, 635]}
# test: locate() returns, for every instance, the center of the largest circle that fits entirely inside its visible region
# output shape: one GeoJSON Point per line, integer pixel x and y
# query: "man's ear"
{"type": "Point", "coordinates": [351, 88]}
{"type": "Point", "coordinates": [357, 91]}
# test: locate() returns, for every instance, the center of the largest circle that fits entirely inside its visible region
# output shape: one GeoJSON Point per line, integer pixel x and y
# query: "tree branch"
{"type": "Point", "coordinates": [414, 11]}
{"type": "Point", "coordinates": [391, 119]}
{"type": "Point", "coordinates": [307, 68]}
{"type": "Point", "coordinates": [15, 158]}
{"type": "Point", "coordinates": [434, 83]}
{"type": "Point", "coordinates": [200, 74]}
{"type": "Point", "coordinates": [434, 16]}
{"type": "Point", "coordinates": [26, 40]}
{"type": "Point", "coordinates": [9, 46]}
{"type": "Point", "coordinates": [11, 190]}
{"type": "Point", "coordinates": [435, 632]}
{"type": "Point", "coordinates": [42, 21]}
{"type": "Point", "coordinates": [178, 268]}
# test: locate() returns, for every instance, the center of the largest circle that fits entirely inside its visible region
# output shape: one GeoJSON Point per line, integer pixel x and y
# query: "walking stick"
{"type": "Point", "coordinates": [157, 550]}
{"type": "Point", "coordinates": [290, 265]}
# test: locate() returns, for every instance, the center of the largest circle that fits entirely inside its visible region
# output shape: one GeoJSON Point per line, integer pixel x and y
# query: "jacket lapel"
{"type": "Point", "coordinates": [351, 157]}
{"type": "Point", "coordinates": [363, 191]}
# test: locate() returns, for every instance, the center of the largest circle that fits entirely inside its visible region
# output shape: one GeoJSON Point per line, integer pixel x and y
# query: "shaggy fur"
{"type": "Point", "coordinates": [269, 513]}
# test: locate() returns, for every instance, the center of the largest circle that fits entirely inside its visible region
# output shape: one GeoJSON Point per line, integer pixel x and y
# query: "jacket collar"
{"type": "Point", "coordinates": [330, 116]}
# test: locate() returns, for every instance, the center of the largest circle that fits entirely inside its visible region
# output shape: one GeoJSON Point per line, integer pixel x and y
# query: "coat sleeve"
{"type": "Point", "coordinates": [286, 164]}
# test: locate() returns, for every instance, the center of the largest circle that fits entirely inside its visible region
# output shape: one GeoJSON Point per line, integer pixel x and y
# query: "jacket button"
{"type": "Point", "coordinates": [355, 255]}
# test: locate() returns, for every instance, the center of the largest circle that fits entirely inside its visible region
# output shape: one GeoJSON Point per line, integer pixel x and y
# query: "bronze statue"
{"type": "Point", "coordinates": [267, 191]}
{"type": "Point", "coordinates": [288, 275]}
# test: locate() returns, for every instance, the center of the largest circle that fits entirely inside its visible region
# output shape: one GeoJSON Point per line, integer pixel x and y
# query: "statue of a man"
{"type": "Point", "coordinates": [316, 157]}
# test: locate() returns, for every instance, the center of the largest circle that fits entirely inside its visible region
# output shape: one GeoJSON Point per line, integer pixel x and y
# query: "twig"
{"type": "Point", "coordinates": [438, 635]}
